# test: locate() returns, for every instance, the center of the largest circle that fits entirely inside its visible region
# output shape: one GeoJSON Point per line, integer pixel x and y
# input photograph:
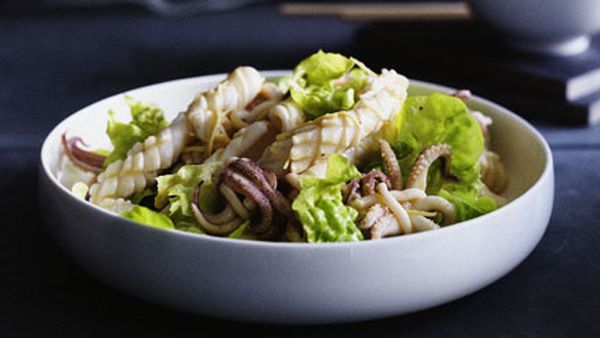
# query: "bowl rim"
{"type": "Point", "coordinates": [461, 226]}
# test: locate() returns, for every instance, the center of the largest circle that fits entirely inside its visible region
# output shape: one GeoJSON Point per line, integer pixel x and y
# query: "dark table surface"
{"type": "Point", "coordinates": [53, 63]}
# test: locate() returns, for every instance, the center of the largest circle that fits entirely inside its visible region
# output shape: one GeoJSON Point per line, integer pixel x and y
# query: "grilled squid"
{"type": "Point", "coordinates": [390, 163]}
{"type": "Point", "coordinates": [210, 111]}
{"type": "Point", "coordinates": [86, 159]}
{"type": "Point", "coordinates": [262, 203]}
{"type": "Point", "coordinates": [145, 160]}
{"type": "Point", "coordinates": [267, 98]}
{"type": "Point", "coordinates": [308, 145]}
{"type": "Point", "coordinates": [77, 163]}
{"type": "Point", "coordinates": [248, 142]}
{"type": "Point", "coordinates": [389, 209]}
{"type": "Point", "coordinates": [492, 172]}
{"type": "Point", "coordinates": [417, 177]}
{"type": "Point", "coordinates": [286, 116]}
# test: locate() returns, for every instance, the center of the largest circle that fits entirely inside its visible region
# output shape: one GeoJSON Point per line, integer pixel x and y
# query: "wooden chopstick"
{"type": "Point", "coordinates": [432, 11]}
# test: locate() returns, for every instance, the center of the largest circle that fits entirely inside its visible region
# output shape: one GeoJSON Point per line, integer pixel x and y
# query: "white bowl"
{"type": "Point", "coordinates": [555, 27]}
{"type": "Point", "coordinates": [298, 282]}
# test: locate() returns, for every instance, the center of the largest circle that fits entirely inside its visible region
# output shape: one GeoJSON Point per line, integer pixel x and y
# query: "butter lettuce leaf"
{"type": "Point", "coordinates": [438, 118]}
{"type": "Point", "coordinates": [320, 100]}
{"type": "Point", "coordinates": [149, 217]}
{"type": "Point", "coordinates": [469, 202]}
{"type": "Point", "coordinates": [325, 83]}
{"type": "Point", "coordinates": [177, 189]}
{"type": "Point", "coordinates": [320, 207]}
{"type": "Point", "coordinates": [146, 120]}
{"type": "Point", "coordinates": [188, 225]}
{"type": "Point", "coordinates": [241, 231]}
{"type": "Point", "coordinates": [434, 119]}
{"type": "Point", "coordinates": [321, 67]}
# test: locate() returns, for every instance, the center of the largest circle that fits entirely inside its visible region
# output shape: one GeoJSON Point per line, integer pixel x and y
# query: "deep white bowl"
{"type": "Point", "coordinates": [554, 27]}
{"type": "Point", "coordinates": [295, 282]}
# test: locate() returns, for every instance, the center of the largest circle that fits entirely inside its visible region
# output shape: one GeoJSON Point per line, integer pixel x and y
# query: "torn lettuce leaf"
{"type": "Point", "coordinates": [434, 119]}
{"type": "Point", "coordinates": [80, 190]}
{"type": "Point", "coordinates": [146, 120]}
{"type": "Point", "coordinates": [149, 217]}
{"type": "Point", "coordinates": [240, 232]}
{"type": "Point", "coordinates": [320, 207]}
{"type": "Point", "coordinates": [325, 83]}
{"type": "Point", "coordinates": [188, 225]}
{"type": "Point", "coordinates": [177, 189]}
{"type": "Point", "coordinates": [321, 67]}
{"type": "Point", "coordinates": [103, 152]}
{"type": "Point", "coordinates": [438, 118]}
{"type": "Point", "coordinates": [320, 100]}
{"type": "Point", "coordinates": [468, 202]}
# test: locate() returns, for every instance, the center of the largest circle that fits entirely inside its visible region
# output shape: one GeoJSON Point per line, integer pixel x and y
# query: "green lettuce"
{"type": "Point", "coordinates": [468, 202]}
{"type": "Point", "coordinates": [146, 120]}
{"type": "Point", "coordinates": [434, 119]}
{"type": "Point", "coordinates": [149, 217]}
{"type": "Point", "coordinates": [326, 83]}
{"type": "Point", "coordinates": [438, 118]}
{"type": "Point", "coordinates": [320, 208]}
{"type": "Point", "coordinates": [188, 225]}
{"type": "Point", "coordinates": [103, 152]}
{"type": "Point", "coordinates": [240, 232]}
{"type": "Point", "coordinates": [80, 190]}
{"type": "Point", "coordinates": [321, 67]}
{"type": "Point", "coordinates": [177, 189]}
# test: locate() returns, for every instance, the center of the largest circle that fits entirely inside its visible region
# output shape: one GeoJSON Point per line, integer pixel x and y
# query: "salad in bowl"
{"type": "Point", "coordinates": [334, 152]}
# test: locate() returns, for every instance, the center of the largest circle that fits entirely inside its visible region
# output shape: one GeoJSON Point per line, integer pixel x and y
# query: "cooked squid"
{"type": "Point", "coordinates": [286, 116]}
{"type": "Point", "coordinates": [403, 210]}
{"type": "Point", "coordinates": [333, 152]}
{"type": "Point", "coordinates": [246, 143]}
{"type": "Point", "coordinates": [337, 132]}
{"type": "Point", "coordinates": [493, 173]}
{"type": "Point", "coordinates": [68, 173]}
{"type": "Point", "coordinates": [267, 98]}
{"type": "Point", "coordinates": [144, 161]}
{"type": "Point", "coordinates": [209, 113]}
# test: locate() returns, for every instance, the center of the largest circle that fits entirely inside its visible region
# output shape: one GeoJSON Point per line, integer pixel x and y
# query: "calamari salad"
{"type": "Point", "coordinates": [334, 152]}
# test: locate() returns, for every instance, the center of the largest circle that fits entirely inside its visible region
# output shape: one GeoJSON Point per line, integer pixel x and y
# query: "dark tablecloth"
{"type": "Point", "coordinates": [52, 64]}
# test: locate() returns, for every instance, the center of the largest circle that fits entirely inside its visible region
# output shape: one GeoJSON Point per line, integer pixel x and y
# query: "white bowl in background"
{"type": "Point", "coordinates": [554, 27]}
{"type": "Point", "coordinates": [299, 282]}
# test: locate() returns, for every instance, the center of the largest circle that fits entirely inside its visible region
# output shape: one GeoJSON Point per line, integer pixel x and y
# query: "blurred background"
{"type": "Point", "coordinates": [64, 54]}
{"type": "Point", "coordinates": [57, 56]}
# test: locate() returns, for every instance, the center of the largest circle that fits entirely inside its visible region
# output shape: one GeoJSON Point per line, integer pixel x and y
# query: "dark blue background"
{"type": "Point", "coordinates": [53, 63]}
